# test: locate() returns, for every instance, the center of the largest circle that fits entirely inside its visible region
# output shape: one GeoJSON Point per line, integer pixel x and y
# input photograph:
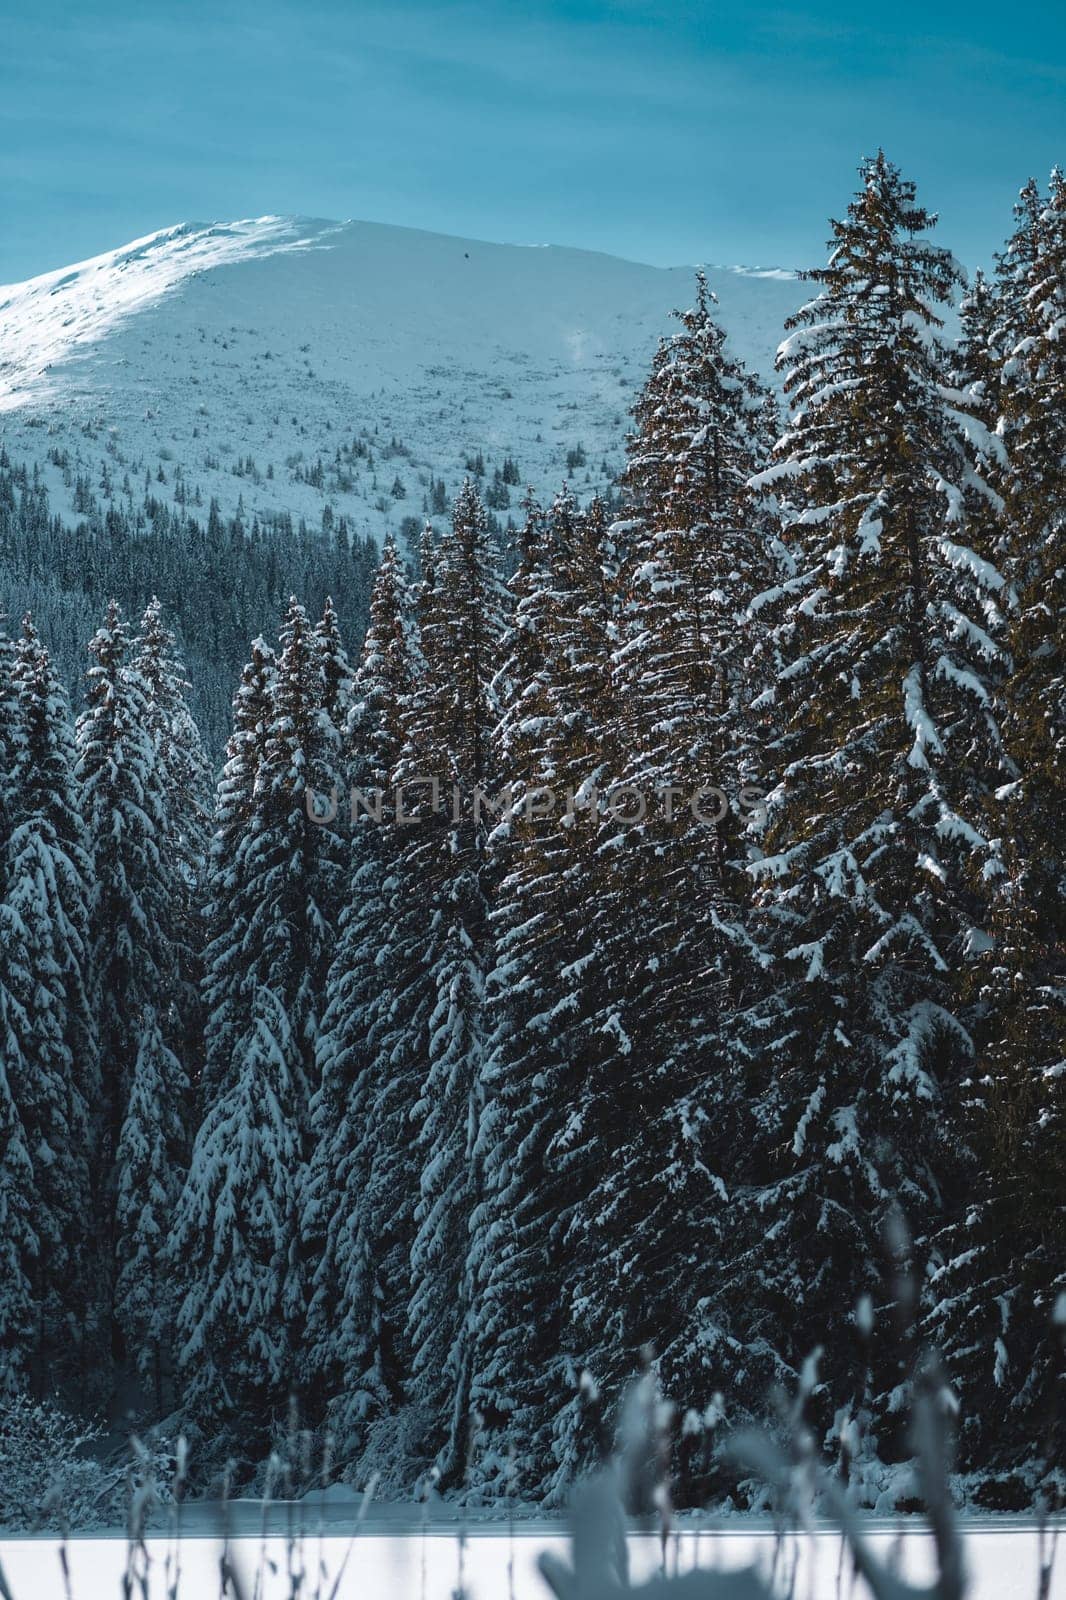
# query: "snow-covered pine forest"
{"type": "Point", "coordinates": [451, 1127]}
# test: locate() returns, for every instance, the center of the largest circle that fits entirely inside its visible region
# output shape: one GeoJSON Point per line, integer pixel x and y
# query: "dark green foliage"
{"type": "Point", "coordinates": [359, 1197]}
{"type": "Point", "coordinates": [869, 907]}
{"type": "Point", "coordinates": [1000, 1267]}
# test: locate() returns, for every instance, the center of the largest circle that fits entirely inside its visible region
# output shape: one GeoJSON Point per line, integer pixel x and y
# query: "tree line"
{"type": "Point", "coordinates": [221, 579]}
{"type": "Point", "coordinates": [452, 1126]}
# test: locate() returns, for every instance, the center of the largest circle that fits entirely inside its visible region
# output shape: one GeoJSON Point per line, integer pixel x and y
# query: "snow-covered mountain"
{"type": "Point", "coordinates": [294, 363]}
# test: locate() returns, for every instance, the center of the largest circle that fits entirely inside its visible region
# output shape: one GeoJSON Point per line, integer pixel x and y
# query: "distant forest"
{"type": "Point", "coordinates": [220, 582]}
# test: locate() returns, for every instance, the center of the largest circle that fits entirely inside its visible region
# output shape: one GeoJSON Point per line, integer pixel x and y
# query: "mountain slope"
{"type": "Point", "coordinates": [293, 364]}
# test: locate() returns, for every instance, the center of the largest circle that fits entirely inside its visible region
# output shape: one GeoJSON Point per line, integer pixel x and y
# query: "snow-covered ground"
{"type": "Point", "coordinates": [229, 360]}
{"type": "Point", "coordinates": [1002, 1556]}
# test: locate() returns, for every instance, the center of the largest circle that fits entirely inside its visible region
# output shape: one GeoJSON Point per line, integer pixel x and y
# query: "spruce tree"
{"type": "Point", "coordinates": [660, 1119]}
{"type": "Point", "coordinates": [48, 797]}
{"type": "Point", "coordinates": [19, 1246]}
{"type": "Point", "coordinates": [18, 1198]}
{"type": "Point", "coordinates": [336, 668]}
{"type": "Point", "coordinates": [53, 1068]}
{"type": "Point", "coordinates": [1032, 299]}
{"type": "Point", "coordinates": [122, 795]}
{"type": "Point", "coordinates": [186, 778]}
{"type": "Point", "coordinates": [1017, 275]}
{"type": "Point", "coordinates": [235, 1236]}
{"type": "Point", "coordinates": [999, 1270]}
{"type": "Point", "coordinates": [362, 1177]}
{"type": "Point", "coordinates": [293, 855]}
{"type": "Point", "coordinates": [9, 731]}
{"type": "Point", "coordinates": [278, 872]}
{"type": "Point", "coordinates": [180, 750]}
{"type": "Point", "coordinates": [879, 836]}
{"type": "Point", "coordinates": [226, 1001]}
{"type": "Point", "coordinates": [551, 745]}
{"type": "Point", "coordinates": [150, 1164]}
{"type": "Point", "coordinates": [439, 952]}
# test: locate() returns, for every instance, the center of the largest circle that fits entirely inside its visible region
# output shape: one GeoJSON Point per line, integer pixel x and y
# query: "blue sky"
{"type": "Point", "coordinates": [664, 130]}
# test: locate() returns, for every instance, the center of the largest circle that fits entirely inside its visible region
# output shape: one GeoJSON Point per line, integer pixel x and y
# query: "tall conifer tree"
{"type": "Point", "coordinates": [150, 1165]}
{"type": "Point", "coordinates": [226, 997]}
{"type": "Point", "coordinates": [552, 743]}
{"type": "Point", "coordinates": [999, 1270]}
{"type": "Point", "coordinates": [234, 1237]}
{"type": "Point", "coordinates": [19, 1244]}
{"type": "Point", "coordinates": [53, 1068]}
{"type": "Point", "coordinates": [441, 947]}
{"type": "Point", "coordinates": [659, 1113]}
{"type": "Point", "coordinates": [362, 1179]}
{"type": "Point", "coordinates": [266, 982]}
{"type": "Point", "coordinates": [123, 800]}
{"type": "Point", "coordinates": [879, 837]}
{"type": "Point", "coordinates": [186, 779]}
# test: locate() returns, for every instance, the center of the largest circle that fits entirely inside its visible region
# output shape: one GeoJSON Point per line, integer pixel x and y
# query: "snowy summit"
{"type": "Point", "coordinates": [240, 355]}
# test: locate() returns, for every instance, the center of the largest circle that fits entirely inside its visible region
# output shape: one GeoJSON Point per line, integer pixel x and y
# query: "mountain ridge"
{"type": "Point", "coordinates": [255, 362]}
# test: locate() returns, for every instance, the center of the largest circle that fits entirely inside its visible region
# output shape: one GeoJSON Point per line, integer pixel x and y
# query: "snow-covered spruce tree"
{"type": "Point", "coordinates": [276, 879]}
{"type": "Point", "coordinates": [436, 958]}
{"type": "Point", "coordinates": [294, 862]}
{"type": "Point", "coordinates": [186, 777]}
{"type": "Point", "coordinates": [1029, 335]}
{"type": "Point", "coordinates": [976, 373]}
{"type": "Point", "coordinates": [554, 689]}
{"type": "Point", "coordinates": [150, 1164]}
{"type": "Point", "coordinates": [427, 571]}
{"type": "Point", "coordinates": [280, 879]}
{"type": "Point", "coordinates": [18, 1236]}
{"type": "Point", "coordinates": [177, 739]}
{"type": "Point", "coordinates": [976, 362]}
{"type": "Point", "coordinates": [52, 1066]}
{"type": "Point", "coordinates": [696, 556]}
{"type": "Point", "coordinates": [660, 1112]}
{"type": "Point", "coordinates": [19, 1246]}
{"type": "Point", "coordinates": [9, 731]}
{"type": "Point", "coordinates": [226, 999]}
{"type": "Point", "coordinates": [1000, 1269]}
{"type": "Point", "coordinates": [122, 795]}
{"type": "Point", "coordinates": [336, 668]}
{"type": "Point", "coordinates": [879, 842]}
{"type": "Point", "coordinates": [1016, 277]}
{"type": "Point", "coordinates": [46, 787]}
{"type": "Point", "coordinates": [135, 911]}
{"type": "Point", "coordinates": [235, 1236]}
{"type": "Point", "coordinates": [358, 1202]}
